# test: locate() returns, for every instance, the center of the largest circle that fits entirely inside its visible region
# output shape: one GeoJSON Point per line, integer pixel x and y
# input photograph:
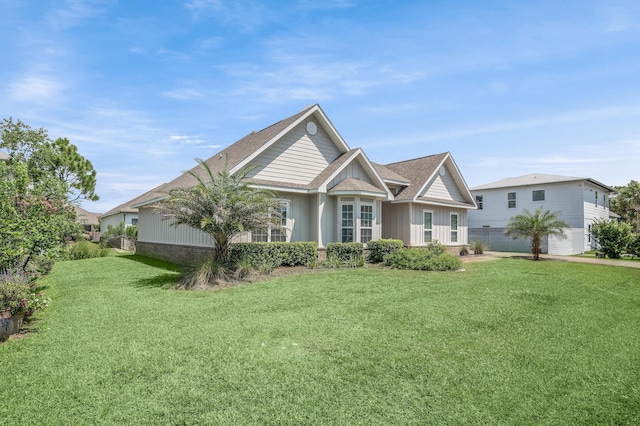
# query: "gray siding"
{"type": "Point", "coordinates": [297, 157]}
{"type": "Point", "coordinates": [152, 229]}
{"type": "Point", "coordinates": [443, 188]}
{"type": "Point", "coordinates": [405, 221]}
{"type": "Point", "coordinates": [354, 170]}
{"type": "Point", "coordinates": [495, 240]}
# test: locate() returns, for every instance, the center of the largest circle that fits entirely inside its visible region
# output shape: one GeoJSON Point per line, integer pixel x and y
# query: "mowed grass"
{"type": "Point", "coordinates": [505, 342]}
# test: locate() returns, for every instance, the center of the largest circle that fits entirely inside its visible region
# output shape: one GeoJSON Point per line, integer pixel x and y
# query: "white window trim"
{"type": "Point", "coordinates": [357, 203]}
{"type": "Point", "coordinates": [285, 228]}
{"type": "Point", "coordinates": [457, 230]}
{"type": "Point", "coordinates": [424, 230]}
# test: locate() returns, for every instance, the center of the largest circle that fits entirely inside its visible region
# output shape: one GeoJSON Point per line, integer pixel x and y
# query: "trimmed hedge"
{"type": "Point", "coordinates": [345, 252]}
{"type": "Point", "coordinates": [432, 258]}
{"type": "Point", "coordinates": [276, 254]}
{"type": "Point", "coordinates": [380, 249]}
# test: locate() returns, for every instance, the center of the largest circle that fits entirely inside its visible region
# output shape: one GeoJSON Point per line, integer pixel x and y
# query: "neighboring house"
{"type": "Point", "coordinates": [90, 221]}
{"type": "Point", "coordinates": [4, 156]}
{"type": "Point", "coordinates": [329, 193]}
{"type": "Point", "coordinates": [580, 201]}
{"type": "Point", "coordinates": [122, 213]}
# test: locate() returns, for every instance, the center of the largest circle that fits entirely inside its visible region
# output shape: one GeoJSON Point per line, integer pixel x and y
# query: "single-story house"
{"type": "Point", "coordinates": [90, 221]}
{"type": "Point", "coordinates": [329, 192]}
{"type": "Point", "coordinates": [123, 213]}
{"type": "Point", "coordinates": [580, 201]}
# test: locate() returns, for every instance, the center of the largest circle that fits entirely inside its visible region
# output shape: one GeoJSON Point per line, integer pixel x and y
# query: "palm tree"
{"type": "Point", "coordinates": [536, 226]}
{"type": "Point", "coordinates": [221, 204]}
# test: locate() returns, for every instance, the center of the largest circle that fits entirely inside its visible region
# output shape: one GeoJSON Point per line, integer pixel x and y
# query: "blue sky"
{"type": "Point", "coordinates": [508, 87]}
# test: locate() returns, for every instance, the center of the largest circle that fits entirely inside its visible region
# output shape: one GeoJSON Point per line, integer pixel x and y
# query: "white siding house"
{"type": "Point", "coordinates": [579, 200]}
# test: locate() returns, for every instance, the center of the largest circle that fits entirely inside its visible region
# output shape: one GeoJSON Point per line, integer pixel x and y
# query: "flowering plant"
{"type": "Point", "coordinates": [18, 293]}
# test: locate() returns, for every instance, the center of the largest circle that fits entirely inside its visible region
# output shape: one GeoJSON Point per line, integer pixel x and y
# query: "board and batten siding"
{"type": "Point", "coordinates": [395, 218]}
{"type": "Point", "coordinates": [441, 230]}
{"type": "Point", "coordinates": [152, 229]}
{"type": "Point", "coordinates": [297, 157]}
{"type": "Point", "coordinates": [443, 188]}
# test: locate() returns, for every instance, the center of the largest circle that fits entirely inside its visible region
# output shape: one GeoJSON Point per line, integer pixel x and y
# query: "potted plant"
{"type": "Point", "coordinates": [16, 299]}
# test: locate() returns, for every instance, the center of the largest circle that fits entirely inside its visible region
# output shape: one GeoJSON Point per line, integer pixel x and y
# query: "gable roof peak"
{"type": "Point", "coordinates": [442, 154]}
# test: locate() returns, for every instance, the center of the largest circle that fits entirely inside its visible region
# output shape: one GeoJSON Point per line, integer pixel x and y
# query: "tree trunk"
{"type": "Point", "coordinates": [535, 248]}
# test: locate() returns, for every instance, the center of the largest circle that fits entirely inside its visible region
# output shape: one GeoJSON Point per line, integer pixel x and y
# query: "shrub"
{"type": "Point", "coordinates": [612, 237]}
{"type": "Point", "coordinates": [634, 245]}
{"type": "Point", "coordinates": [243, 268]}
{"type": "Point", "coordinates": [478, 246]}
{"type": "Point", "coordinates": [85, 250]}
{"type": "Point", "coordinates": [275, 254]}
{"type": "Point", "coordinates": [209, 272]}
{"type": "Point", "coordinates": [432, 258]}
{"type": "Point", "coordinates": [380, 249]}
{"type": "Point", "coordinates": [345, 251]}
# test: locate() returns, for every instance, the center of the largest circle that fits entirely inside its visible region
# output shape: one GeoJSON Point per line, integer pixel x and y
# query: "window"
{"type": "Point", "coordinates": [280, 234]}
{"type": "Point", "coordinates": [428, 226]}
{"type": "Point", "coordinates": [538, 195]}
{"type": "Point", "coordinates": [479, 201]}
{"type": "Point", "coordinates": [366, 223]}
{"type": "Point", "coordinates": [134, 221]}
{"type": "Point", "coordinates": [347, 223]}
{"type": "Point", "coordinates": [454, 227]}
{"type": "Point", "coordinates": [511, 199]}
{"type": "Point", "coordinates": [596, 198]}
{"type": "Point", "coordinates": [356, 219]}
{"type": "Point", "coordinates": [589, 235]}
{"type": "Point", "coordinates": [274, 234]}
{"type": "Point", "coordinates": [260, 236]}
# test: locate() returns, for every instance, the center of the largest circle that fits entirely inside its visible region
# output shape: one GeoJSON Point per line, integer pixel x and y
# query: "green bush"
{"type": "Point", "coordinates": [275, 254]}
{"type": "Point", "coordinates": [432, 258]}
{"type": "Point", "coordinates": [380, 249]}
{"type": "Point", "coordinates": [634, 245]}
{"type": "Point", "coordinates": [612, 237]}
{"type": "Point", "coordinates": [85, 250]}
{"type": "Point", "coordinates": [345, 251]}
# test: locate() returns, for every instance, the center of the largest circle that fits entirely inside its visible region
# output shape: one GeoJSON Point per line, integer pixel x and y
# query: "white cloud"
{"type": "Point", "coordinates": [35, 88]}
{"type": "Point", "coordinates": [74, 12]}
{"type": "Point", "coordinates": [183, 94]}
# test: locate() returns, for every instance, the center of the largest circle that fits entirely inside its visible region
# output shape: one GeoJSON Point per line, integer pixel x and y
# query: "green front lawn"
{"type": "Point", "coordinates": [508, 341]}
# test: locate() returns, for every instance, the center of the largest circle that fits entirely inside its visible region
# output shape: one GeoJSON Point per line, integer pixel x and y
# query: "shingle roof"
{"type": "Point", "coordinates": [417, 171]}
{"type": "Point", "coordinates": [86, 217]}
{"type": "Point", "coordinates": [536, 179]}
{"type": "Point", "coordinates": [234, 154]}
{"type": "Point", "coordinates": [353, 184]}
{"type": "Point", "coordinates": [389, 175]}
{"type": "Point", "coordinates": [127, 207]}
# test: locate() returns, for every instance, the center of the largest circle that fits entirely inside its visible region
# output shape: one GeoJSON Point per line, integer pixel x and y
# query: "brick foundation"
{"type": "Point", "coordinates": [180, 254]}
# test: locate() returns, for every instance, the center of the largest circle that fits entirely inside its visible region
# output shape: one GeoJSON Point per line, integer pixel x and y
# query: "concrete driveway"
{"type": "Point", "coordinates": [490, 255]}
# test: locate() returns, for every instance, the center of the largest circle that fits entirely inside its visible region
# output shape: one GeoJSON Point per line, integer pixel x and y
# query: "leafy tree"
{"type": "Point", "coordinates": [536, 226]}
{"type": "Point", "coordinates": [37, 182]}
{"type": "Point", "coordinates": [634, 245]}
{"type": "Point", "coordinates": [222, 205]}
{"type": "Point", "coordinates": [613, 237]}
{"type": "Point", "coordinates": [35, 217]}
{"type": "Point", "coordinates": [46, 158]}
{"type": "Point", "coordinates": [626, 203]}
